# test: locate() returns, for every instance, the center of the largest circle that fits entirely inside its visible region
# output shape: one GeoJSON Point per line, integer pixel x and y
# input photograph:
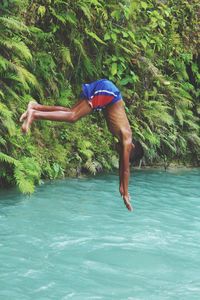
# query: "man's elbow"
{"type": "Point", "coordinates": [127, 141]}
{"type": "Point", "coordinates": [127, 137]}
{"type": "Point", "coordinates": [126, 172]}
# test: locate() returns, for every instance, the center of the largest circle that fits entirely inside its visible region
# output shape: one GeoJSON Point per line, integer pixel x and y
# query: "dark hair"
{"type": "Point", "coordinates": [138, 152]}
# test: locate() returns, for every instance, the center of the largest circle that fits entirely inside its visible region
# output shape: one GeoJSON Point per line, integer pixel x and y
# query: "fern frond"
{"type": "Point", "coordinates": [93, 166]}
{"type": "Point", "coordinates": [57, 2]}
{"type": "Point", "coordinates": [80, 47]}
{"type": "Point", "coordinates": [94, 36]}
{"type": "Point", "coordinates": [71, 18]}
{"type": "Point", "coordinates": [2, 141]}
{"type": "Point", "coordinates": [13, 24]}
{"type": "Point", "coordinates": [25, 186]}
{"type": "Point", "coordinates": [89, 66]}
{"type": "Point", "coordinates": [9, 125]}
{"type": "Point", "coordinates": [154, 71]}
{"type": "Point", "coordinates": [128, 51]}
{"type": "Point", "coordinates": [179, 114]}
{"type": "Point", "coordinates": [27, 77]}
{"type": "Point", "coordinates": [115, 161]}
{"type": "Point", "coordinates": [26, 172]}
{"type": "Point", "coordinates": [2, 95]}
{"type": "Point", "coordinates": [32, 168]}
{"type": "Point", "coordinates": [8, 159]}
{"type": "Point", "coordinates": [14, 77]}
{"type": "Point", "coordinates": [4, 63]}
{"type": "Point", "coordinates": [84, 148]}
{"type": "Point", "coordinates": [194, 139]}
{"type": "Point", "coordinates": [6, 119]}
{"type": "Point", "coordinates": [85, 9]}
{"type": "Point", "coordinates": [157, 113]}
{"type": "Point", "coordinates": [64, 17]}
{"type": "Point", "coordinates": [191, 124]}
{"type": "Point", "coordinates": [96, 3]}
{"type": "Point", "coordinates": [57, 16]}
{"type": "Point", "coordinates": [184, 95]}
{"type": "Point", "coordinates": [4, 111]}
{"type": "Point", "coordinates": [169, 144]}
{"type": "Point", "coordinates": [104, 15]}
{"type": "Point", "coordinates": [65, 97]}
{"type": "Point", "coordinates": [10, 92]}
{"type": "Point", "coordinates": [66, 55]}
{"type": "Point", "coordinates": [18, 47]}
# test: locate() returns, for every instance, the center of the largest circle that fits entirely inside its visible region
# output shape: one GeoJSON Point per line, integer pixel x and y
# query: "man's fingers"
{"type": "Point", "coordinates": [23, 116]}
{"type": "Point", "coordinates": [128, 204]}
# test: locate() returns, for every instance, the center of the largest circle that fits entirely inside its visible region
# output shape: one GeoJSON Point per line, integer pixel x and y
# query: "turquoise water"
{"type": "Point", "coordinates": [74, 239]}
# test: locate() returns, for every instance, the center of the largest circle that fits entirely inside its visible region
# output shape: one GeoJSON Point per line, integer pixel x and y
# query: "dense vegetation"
{"type": "Point", "coordinates": [48, 48]}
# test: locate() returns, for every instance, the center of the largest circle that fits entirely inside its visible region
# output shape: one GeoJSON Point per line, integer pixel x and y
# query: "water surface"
{"type": "Point", "coordinates": [74, 239]}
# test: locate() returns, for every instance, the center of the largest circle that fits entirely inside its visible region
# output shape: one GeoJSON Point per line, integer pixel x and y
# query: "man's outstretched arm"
{"type": "Point", "coordinates": [125, 171]}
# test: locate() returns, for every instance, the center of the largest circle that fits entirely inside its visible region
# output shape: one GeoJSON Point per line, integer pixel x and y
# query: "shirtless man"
{"type": "Point", "coordinates": [100, 94]}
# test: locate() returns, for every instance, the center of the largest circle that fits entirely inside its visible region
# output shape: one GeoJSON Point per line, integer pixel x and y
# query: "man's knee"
{"type": "Point", "coordinates": [74, 117]}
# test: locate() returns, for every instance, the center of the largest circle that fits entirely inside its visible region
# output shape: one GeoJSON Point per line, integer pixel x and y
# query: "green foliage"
{"type": "Point", "coordinates": [150, 49]}
{"type": "Point", "coordinates": [26, 173]}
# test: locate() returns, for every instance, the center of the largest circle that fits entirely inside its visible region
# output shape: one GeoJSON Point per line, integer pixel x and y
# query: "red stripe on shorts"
{"type": "Point", "coordinates": [101, 100]}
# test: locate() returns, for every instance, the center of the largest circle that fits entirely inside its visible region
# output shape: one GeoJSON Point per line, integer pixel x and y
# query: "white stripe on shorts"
{"type": "Point", "coordinates": [103, 91]}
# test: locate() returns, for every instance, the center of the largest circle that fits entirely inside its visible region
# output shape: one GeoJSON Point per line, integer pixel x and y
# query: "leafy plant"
{"type": "Point", "coordinates": [150, 49]}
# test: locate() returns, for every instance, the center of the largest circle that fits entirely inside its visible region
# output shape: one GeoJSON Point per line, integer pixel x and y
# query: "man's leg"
{"type": "Point", "coordinates": [36, 106]}
{"type": "Point", "coordinates": [81, 109]}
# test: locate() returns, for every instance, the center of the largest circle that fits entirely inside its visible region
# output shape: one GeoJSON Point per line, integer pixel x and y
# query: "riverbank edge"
{"type": "Point", "coordinates": [173, 166]}
{"type": "Point", "coordinates": [169, 166]}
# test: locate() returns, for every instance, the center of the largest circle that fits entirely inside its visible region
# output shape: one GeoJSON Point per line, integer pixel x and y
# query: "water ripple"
{"type": "Point", "coordinates": [74, 239]}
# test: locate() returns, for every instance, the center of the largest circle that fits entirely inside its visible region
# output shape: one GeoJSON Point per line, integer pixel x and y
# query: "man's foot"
{"type": "Point", "coordinates": [25, 114]}
{"type": "Point", "coordinates": [28, 121]}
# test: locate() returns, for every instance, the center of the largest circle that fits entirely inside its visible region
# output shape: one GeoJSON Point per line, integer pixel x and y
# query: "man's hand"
{"type": "Point", "coordinates": [121, 190]}
{"type": "Point", "coordinates": [127, 202]}
{"type": "Point", "coordinates": [124, 167]}
{"type": "Point", "coordinates": [126, 199]}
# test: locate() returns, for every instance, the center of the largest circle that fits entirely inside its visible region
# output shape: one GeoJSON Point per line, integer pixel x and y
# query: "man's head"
{"type": "Point", "coordinates": [137, 152]}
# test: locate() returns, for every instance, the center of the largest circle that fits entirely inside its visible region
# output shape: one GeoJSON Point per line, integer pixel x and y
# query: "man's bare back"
{"type": "Point", "coordinates": [117, 120]}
